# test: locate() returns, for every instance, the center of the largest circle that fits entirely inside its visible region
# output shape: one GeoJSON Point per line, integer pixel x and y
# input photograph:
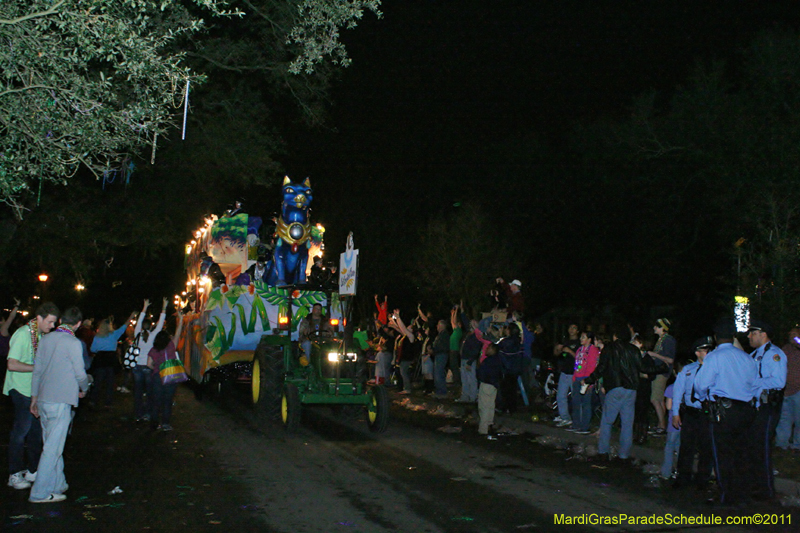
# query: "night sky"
{"type": "Point", "coordinates": [434, 76]}
{"type": "Point", "coordinates": [438, 89]}
{"type": "Point", "coordinates": [449, 102]}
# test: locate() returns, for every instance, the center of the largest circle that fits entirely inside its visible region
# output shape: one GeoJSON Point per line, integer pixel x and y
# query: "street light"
{"type": "Point", "coordinates": [79, 287]}
{"type": "Point", "coordinates": [42, 277]}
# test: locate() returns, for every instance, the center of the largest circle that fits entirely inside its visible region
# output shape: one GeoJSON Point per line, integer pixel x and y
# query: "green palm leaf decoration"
{"type": "Point", "coordinates": [258, 307]}
{"type": "Point", "coordinates": [217, 345]}
{"type": "Point", "coordinates": [215, 299]}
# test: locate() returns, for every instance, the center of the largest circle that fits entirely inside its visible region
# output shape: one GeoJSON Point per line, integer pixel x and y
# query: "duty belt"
{"type": "Point", "coordinates": [718, 407]}
{"type": "Point", "coordinates": [772, 397]}
{"type": "Point", "coordinates": [729, 402]}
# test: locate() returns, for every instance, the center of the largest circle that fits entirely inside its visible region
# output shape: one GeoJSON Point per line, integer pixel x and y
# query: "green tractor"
{"type": "Point", "coordinates": [289, 374]}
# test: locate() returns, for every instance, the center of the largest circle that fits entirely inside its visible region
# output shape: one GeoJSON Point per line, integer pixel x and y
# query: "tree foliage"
{"type": "Point", "coordinates": [86, 83]}
{"type": "Point", "coordinates": [460, 256]}
{"type": "Point", "coordinates": [731, 135]}
{"type": "Point", "coordinates": [318, 30]}
{"type": "Point", "coordinates": [768, 260]}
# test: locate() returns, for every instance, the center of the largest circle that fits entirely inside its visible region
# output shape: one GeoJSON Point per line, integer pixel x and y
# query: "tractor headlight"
{"type": "Point", "coordinates": [335, 357]}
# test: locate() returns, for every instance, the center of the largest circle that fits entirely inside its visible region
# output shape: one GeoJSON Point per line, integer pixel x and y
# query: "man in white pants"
{"type": "Point", "coordinates": [59, 379]}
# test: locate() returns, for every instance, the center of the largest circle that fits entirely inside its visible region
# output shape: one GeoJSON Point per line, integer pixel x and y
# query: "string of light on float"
{"type": "Point", "coordinates": [205, 283]}
{"type": "Point", "coordinates": [201, 232]}
{"type": "Point", "coordinates": [200, 235]}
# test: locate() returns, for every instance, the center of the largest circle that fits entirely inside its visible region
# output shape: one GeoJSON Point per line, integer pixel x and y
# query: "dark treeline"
{"type": "Point", "coordinates": [639, 209]}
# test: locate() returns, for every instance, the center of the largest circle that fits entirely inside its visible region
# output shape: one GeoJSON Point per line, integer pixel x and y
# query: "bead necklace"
{"type": "Point", "coordinates": [33, 325]}
{"type": "Point", "coordinates": [65, 329]}
{"type": "Point", "coordinates": [659, 342]}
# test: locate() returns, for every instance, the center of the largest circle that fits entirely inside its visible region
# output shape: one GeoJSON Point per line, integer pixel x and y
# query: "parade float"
{"type": "Point", "coordinates": [246, 294]}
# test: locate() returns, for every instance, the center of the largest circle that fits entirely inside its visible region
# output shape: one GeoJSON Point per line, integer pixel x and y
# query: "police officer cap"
{"type": "Point", "coordinates": [703, 343]}
{"type": "Point", "coordinates": [725, 328]}
{"type": "Point", "coordinates": [760, 325]}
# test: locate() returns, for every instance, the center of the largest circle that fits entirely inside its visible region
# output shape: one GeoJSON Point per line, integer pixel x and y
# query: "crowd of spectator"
{"type": "Point", "coordinates": [49, 362]}
{"type": "Point", "coordinates": [487, 359]}
{"type": "Point", "coordinates": [714, 404]}
{"type": "Point", "coordinates": [604, 375]}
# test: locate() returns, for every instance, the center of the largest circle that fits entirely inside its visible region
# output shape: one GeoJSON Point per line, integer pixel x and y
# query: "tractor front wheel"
{"type": "Point", "coordinates": [378, 409]}
{"type": "Point", "coordinates": [290, 407]}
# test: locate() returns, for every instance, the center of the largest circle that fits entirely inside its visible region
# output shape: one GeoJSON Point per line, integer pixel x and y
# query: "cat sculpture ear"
{"type": "Point", "coordinates": [286, 181]}
{"type": "Point", "coordinates": [307, 183]}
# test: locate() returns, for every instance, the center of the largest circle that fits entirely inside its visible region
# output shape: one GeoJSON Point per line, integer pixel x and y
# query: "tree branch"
{"type": "Point", "coordinates": [26, 88]}
{"type": "Point", "coordinates": [263, 15]}
{"type": "Point", "coordinates": [229, 67]}
{"type": "Point", "coordinates": [51, 11]}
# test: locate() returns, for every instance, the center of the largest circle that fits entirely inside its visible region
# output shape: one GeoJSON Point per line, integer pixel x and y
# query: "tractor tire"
{"type": "Point", "coordinates": [267, 380]}
{"type": "Point", "coordinates": [290, 407]}
{"type": "Point", "coordinates": [378, 409]}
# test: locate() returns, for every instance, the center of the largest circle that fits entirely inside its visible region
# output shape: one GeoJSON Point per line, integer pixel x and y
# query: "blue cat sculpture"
{"type": "Point", "coordinates": [293, 236]}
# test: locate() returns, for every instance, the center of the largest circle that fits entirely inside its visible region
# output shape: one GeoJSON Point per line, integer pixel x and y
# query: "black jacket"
{"type": "Point", "coordinates": [471, 348]}
{"type": "Point", "coordinates": [619, 366]}
{"type": "Point", "coordinates": [511, 354]}
{"type": "Point", "coordinates": [491, 370]}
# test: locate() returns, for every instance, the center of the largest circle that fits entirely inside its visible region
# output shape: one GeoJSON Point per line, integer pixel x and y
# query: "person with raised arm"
{"type": "Point", "coordinates": [164, 347]}
{"type": "Point", "coordinates": [144, 336]}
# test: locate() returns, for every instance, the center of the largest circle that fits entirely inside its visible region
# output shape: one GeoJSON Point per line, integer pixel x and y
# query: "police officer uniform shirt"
{"type": "Point", "coordinates": [727, 372]}
{"type": "Point", "coordinates": [771, 363]}
{"type": "Point", "coordinates": [683, 387]}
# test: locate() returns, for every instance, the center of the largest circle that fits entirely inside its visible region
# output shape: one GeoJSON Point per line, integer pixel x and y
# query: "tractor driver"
{"type": "Point", "coordinates": [312, 325]}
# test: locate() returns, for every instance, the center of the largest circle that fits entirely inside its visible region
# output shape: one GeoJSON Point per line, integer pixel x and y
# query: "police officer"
{"type": "Point", "coordinates": [687, 415]}
{"type": "Point", "coordinates": [727, 381]}
{"type": "Point", "coordinates": [771, 362]}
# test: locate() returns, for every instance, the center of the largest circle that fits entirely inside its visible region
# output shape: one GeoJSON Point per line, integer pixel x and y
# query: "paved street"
{"type": "Point", "coordinates": [224, 469]}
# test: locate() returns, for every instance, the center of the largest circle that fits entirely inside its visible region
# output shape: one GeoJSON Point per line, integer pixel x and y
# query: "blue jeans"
{"type": "Point", "coordinates": [161, 403]}
{"type": "Point", "coordinates": [671, 449]}
{"type": "Point", "coordinates": [581, 406]}
{"type": "Point", "coordinates": [55, 418]}
{"type": "Point", "coordinates": [619, 402]}
{"type": "Point", "coordinates": [790, 416]}
{"type": "Point", "coordinates": [469, 383]}
{"type": "Point", "coordinates": [440, 373]}
{"type": "Point", "coordinates": [141, 385]}
{"type": "Point", "coordinates": [562, 395]}
{"type": "Point", "coordinates": [26, 430]}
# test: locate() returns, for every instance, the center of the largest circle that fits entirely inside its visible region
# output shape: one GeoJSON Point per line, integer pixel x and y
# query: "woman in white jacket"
{"type": "Point", "coordinates": [143, 337]}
